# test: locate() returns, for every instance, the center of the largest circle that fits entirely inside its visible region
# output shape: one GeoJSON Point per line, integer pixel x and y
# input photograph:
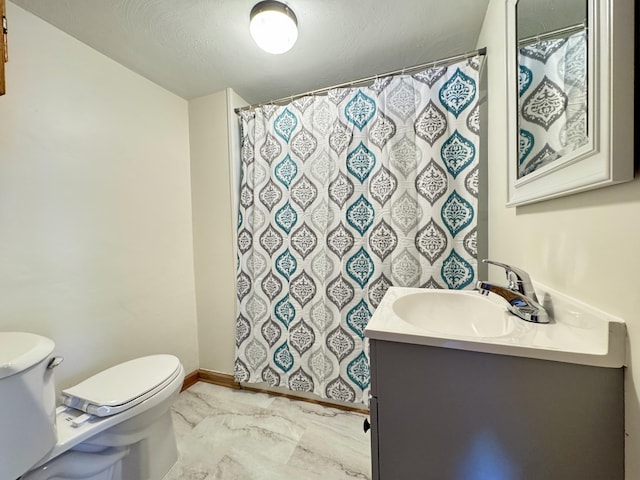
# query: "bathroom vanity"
{"type": "Point", "coordinates": [508, 401]}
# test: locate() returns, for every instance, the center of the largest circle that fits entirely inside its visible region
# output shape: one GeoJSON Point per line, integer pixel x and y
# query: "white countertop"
{"type": "Point", "coordinates": [578, 333]}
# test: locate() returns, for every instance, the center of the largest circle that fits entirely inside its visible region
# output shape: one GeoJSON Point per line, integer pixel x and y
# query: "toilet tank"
{"type": "Point", "coordinates": [27, 402]}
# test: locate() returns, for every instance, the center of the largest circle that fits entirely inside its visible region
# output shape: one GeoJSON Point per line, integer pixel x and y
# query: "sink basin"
{"type": "Point", "coordinates": [467, 320]}
{"type": "Point", "coordinates": [449, 312]}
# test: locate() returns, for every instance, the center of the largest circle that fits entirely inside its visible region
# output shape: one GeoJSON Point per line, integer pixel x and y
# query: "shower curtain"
{"type": "Point", "coordinates": [341, 197]}
{"type": "Point", "coordinates": [552, 84]}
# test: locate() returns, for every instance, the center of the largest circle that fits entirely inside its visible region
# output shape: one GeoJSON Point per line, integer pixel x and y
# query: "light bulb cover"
{"type": "Point", "coordinates": [274, 26]}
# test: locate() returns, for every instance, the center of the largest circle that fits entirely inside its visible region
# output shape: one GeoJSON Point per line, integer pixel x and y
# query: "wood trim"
{"type": "Point", "coordinates": [226, 380]}
{"type": "Point", "coordinates": [217, 378]}
{"type": "Point", "coordinates": [3, 45]}
{"type": "Point", "coordinates": [308, 400]}
{"type": "Point", "coordinates": [189, 380]}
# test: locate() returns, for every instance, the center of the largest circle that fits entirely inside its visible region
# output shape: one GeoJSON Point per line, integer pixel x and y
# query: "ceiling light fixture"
{"type": "Point", "coordinates": [274, 26]}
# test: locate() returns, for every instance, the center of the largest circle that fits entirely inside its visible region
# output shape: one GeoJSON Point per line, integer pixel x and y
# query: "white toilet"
{"type": "Point", "coordinates": [115, 425]}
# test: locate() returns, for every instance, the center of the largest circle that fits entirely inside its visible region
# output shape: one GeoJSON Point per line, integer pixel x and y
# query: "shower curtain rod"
{"type": "Point", "coordinates": [561, 32]}
{"type": "Point", "coordinates": [437, 63]}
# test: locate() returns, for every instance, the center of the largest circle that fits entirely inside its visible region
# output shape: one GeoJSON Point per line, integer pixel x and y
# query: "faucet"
{"type": "Point", "coordinates": [519, 294]}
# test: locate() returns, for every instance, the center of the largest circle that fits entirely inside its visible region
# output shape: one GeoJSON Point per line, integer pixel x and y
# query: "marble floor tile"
{"type": "Point", "coordinates": [196, 404]}
{"type": "Point", "coordinates": [237, 434]}
{"type": "Point", "coordinates": [343, 422]}
{"type": "Point", "coordinates": [327, 453]}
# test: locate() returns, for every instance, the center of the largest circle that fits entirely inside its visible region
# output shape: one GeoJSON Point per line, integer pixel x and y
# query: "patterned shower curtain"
{"type": "Point", "coordinates": [341, 197]}
{"type": "Point", "coordinates": [552, 84]}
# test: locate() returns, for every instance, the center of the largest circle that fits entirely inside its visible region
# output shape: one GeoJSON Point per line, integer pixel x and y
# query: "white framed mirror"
{"type": "Point", "coordinates": [570, 96]}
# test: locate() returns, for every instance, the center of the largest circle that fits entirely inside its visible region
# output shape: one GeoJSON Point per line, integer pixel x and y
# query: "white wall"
{"type": "Point", "coordinates": [212, 125]}
{"type": "Point", "coordinates": [95, 212]}
{"type": "Point", "coordinates": [584, 245]}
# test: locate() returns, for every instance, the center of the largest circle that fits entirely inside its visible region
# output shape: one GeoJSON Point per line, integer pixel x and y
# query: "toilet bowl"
{"type": "Point", "coordinates": [116, 425]}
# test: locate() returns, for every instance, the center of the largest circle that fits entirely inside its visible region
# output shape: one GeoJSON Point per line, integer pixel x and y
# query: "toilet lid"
{"type": "Point", "coordinates": [123, 386]}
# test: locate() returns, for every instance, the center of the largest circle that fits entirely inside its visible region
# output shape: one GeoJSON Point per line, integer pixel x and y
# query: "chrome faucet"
{"type": "Point", "coordinates": [519, 294]}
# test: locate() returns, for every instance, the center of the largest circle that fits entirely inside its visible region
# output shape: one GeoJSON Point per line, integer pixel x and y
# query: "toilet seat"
{"type": "Point", "coordinates": [122, 387]}
{"type": "Point", "coordinates": [143, 391]}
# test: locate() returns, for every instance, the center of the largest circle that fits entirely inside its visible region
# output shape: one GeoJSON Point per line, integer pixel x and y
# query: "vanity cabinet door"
{"type": "Point", "coordinates": [373, 415]}
{"type": "Point", "coordinates": [450, 414]}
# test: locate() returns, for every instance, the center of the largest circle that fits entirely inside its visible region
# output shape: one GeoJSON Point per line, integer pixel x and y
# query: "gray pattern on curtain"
{"type": "Point", "coordinates": [552, 84]}
{"type": "Point", "coordinates": [341, 197]}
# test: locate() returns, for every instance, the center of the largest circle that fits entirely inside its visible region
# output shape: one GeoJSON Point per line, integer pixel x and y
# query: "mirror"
{"type": "Point", "coordinates": [570, 98]}
{"type": "Point", "coordinates": [552, 81]}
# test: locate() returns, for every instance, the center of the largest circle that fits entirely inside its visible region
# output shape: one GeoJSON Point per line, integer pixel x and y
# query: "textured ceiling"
{"type": "Point", "coordinates": [196, 47]}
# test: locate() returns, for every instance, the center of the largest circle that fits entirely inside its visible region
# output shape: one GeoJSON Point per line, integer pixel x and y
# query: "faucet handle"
{"type": "Point", "coordinates": [519, 280]}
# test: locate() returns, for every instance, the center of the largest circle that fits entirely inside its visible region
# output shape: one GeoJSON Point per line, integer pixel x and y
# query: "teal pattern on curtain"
{"type": "Point", "coordinates": [341, 197]}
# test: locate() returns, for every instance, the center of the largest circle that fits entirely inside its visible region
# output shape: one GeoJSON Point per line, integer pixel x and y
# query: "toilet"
{"type": "Point", "coordinates": [115, 425]}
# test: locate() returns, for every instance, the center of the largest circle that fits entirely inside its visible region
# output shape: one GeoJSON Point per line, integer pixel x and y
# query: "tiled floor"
{"type": "Point", "coordinates": [231, 434]}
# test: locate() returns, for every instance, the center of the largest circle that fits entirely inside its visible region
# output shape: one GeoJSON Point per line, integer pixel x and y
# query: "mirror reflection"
{"type": "Point", "coordinates": [552, 81]}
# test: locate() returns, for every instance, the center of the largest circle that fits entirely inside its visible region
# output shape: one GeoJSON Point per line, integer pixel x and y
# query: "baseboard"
{"type": "Point", "coordinates": [226, 380]}
{"type": "Point", "coordinates": [217, 378]}
{"type": "Point", "coordinates": [189, 380]}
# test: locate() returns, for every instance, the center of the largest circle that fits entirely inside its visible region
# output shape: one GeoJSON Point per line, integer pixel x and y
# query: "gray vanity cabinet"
{"type": "Point", "coordinates": [445, 414]}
